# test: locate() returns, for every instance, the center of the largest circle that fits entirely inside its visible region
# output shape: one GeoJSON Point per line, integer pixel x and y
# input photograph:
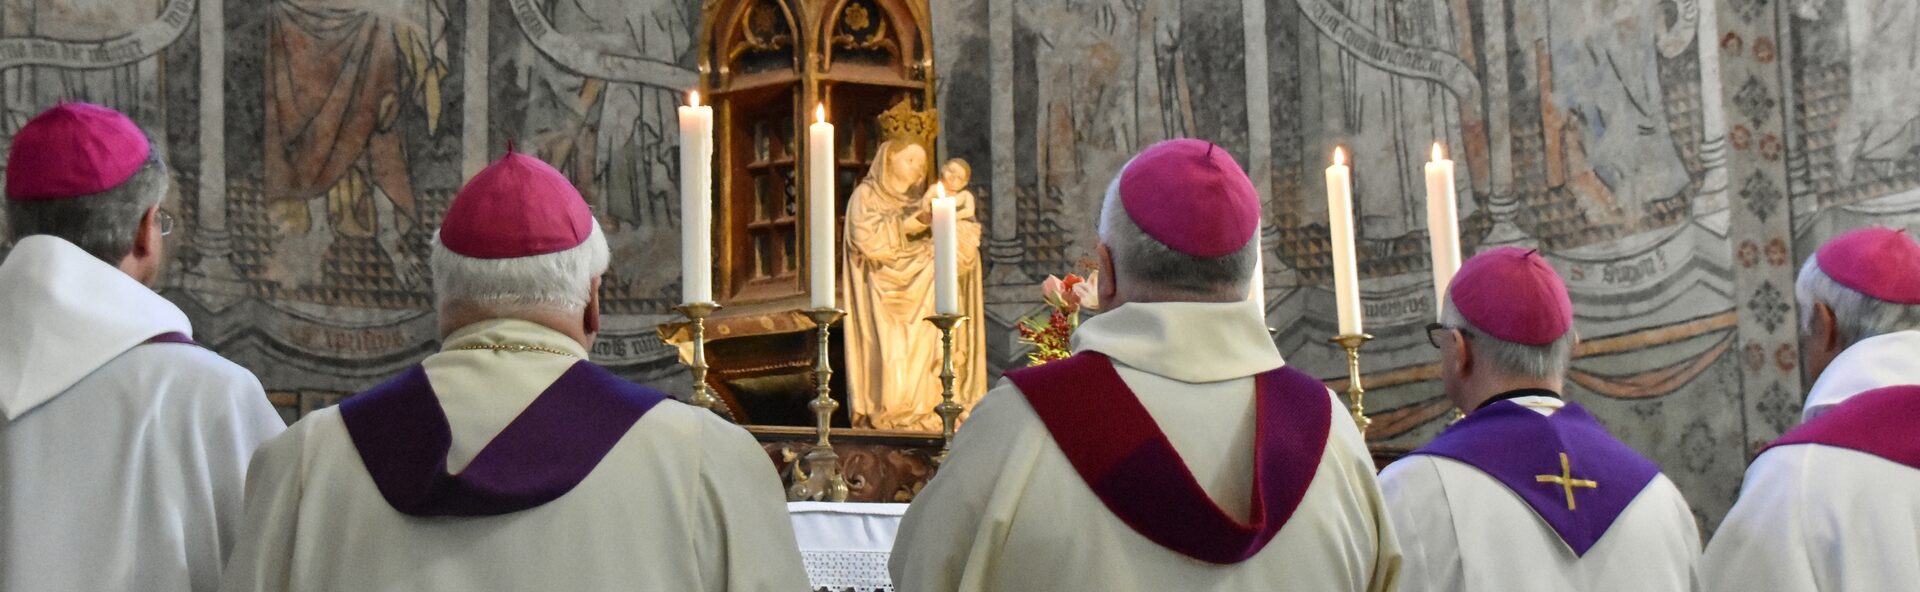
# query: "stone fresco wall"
{"type": "Point", "coordinates": [1675, 159]}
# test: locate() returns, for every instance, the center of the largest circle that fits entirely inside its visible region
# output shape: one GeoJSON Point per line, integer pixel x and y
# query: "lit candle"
{"type": "Point", "coordinates": [946, 278]}
{"type": "Point", "coordinates": [820, 211]}
{"type": "Point", "coordinates": [1258, 291]}
{"type": "Point", "coordinates": [696, 201]}
{"type": "Point", "coordinates": [1443, 225]}
{"type": "Point", "coordinates": [1346, 270]}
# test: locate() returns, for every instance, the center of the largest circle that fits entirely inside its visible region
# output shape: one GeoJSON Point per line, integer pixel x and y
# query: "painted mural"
{"type": "Point", "coordinates": [1675, 159]}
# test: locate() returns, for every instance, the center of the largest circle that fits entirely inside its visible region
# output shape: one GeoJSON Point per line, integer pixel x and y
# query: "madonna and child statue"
{"type": "Point", "coordinates": [893, 354]}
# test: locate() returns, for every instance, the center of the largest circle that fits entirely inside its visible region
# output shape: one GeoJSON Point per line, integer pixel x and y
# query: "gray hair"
{"type": "Point", "coordinates": [1532, 361]}
{"type": "Point", "coordinates": [103, 224]}
{"type": "Point", "coordinates": [1856, 316]}
{"type": "Point", "coordinates": [1161, 272]}
{"type": "Point", "coordinates": [558, 282]}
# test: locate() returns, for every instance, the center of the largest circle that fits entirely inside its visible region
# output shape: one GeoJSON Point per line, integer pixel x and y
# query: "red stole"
{"type": "Point", "coordinates": [1883, 422]}
{"type": "Point", "coordinates": [1127, 461]}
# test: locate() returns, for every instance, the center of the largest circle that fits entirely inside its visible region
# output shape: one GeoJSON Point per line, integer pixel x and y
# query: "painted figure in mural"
{"type": "Point", "coordinates": [1472, 500]}
{"type": "Point", "coordinates": [123, 444]}
{"type": "Point", "coordinates": [1835, 503]}
{"type": "Point", "coordinates": [1880, 127]}
{"type": "Point", "coordinates": [1189, 391]}
{"type": "Point", "coordinates": [970, 337]}
{"type": "Point", "coordinates": [1108, 78]}
{"type": "Point", "coordinates": [337, 73]}
{"type": "Point", "coordinates": [134, 88]}
{"type": "Point", "coordinates": [507, 460]}
{"type": "Point", "coordinates": [1607, 124]}
{"type": "Point", "coordinates": [1387, 120]}
{"type": "Point", "coordinates": [893, 354]}
{"type": "Point", "coordinates": [612, 138]}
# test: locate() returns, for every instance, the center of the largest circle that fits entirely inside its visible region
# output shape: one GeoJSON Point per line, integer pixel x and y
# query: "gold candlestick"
{"type": "Point", "coordinates": [822, 479]}
{"type": "Point", "coordinates": [949, 411]}
{"type": "Point", "coordinates": [697, 313]}
{"type": "Point", "coordinates": [1355, 393]}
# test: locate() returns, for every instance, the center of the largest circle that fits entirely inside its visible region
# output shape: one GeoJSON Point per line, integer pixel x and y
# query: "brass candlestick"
{"type": "Point", "coordinates": [697, 313]}
{"type": "Point", "coordinates": [822, 479]}
{"type": "Point", "coordinates": [949, 411]}
{"type": "Point", "coordinates": [1355, 393]}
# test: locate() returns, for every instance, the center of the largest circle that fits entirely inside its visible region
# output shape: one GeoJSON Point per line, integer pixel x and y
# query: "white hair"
{"type": "Point", "coordinates": [1548, 361]}
{"type": "Point", "coordinates": [1856, 316]}
{"type": "Point", "coordinates": [559, 282]}
{"type": "Point", "coordinates": [1159, 272]}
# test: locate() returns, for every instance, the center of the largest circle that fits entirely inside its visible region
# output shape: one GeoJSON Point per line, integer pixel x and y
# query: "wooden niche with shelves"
{"type": "Point", "coordinates": [765, 64]}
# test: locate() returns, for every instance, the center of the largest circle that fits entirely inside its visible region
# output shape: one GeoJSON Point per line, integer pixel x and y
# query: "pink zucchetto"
{"type": "Point", "coordinates": [1192, 197]}
{"type": "Point", "coordinates": [1512, 295]}
{"type": "Point", "coordinates": [1880, 262]}
{"type": "Point", "coordinates": [74, 150]}
{"type": "Point", "coordinates": [517, 207]}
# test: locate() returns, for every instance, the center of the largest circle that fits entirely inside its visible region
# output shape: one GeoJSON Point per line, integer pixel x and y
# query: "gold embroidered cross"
{"type": "Point", "coordinates": [1565, 480]}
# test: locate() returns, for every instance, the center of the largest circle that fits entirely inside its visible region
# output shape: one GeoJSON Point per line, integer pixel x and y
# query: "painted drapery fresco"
{"type": "Point", "coordinates": [1675, 159]}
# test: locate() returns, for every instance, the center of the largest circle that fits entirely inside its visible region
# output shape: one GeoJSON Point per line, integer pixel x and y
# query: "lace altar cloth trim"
{"type": "Point", "coordinates": [847, 571]}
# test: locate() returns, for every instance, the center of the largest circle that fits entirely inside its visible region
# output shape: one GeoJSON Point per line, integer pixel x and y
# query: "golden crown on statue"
{"type": "Point", "coordinates": [901, 123]}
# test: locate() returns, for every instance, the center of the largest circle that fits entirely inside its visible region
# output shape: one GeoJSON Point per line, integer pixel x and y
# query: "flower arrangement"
{"type": "Point", "coordinates": [1051, 334]}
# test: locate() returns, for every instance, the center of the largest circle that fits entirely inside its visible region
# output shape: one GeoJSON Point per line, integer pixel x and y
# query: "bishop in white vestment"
{"type": "Point", "coordinates": [1835, 503]}
{"type": "Point", "coordinates": [1175, 450]}
{"type": "Point", "coordinates": [1528, 492]}
{"type": "Point", "coordinates": [508, 461]}
{"type": "Point", "coordinates": [123, 445]}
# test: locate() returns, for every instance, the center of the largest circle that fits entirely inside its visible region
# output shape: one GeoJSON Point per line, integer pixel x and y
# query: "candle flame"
{"type": "Point", "coordinates": [1339, 157]}
{"type": "Point", "coordinates": [1438, 155]}
{"type": "Point", "coordinates": [693, 98]}
{"type": "Point", "coordinates": [819, 113]}
{"type": "Point", "coordinates": [940, 190]}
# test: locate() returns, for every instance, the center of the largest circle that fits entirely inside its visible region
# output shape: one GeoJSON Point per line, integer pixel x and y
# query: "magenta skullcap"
{"type": "Point", "coordinates": [1512, 295]}
{"type": "Point", "coordinates": [74, 150]}
{"type": "Point", "coordinates": [518, 206]}
{"type": "Point", "coordinates": [1880, 262]}
{"type": "Point", "coordinates": [1192, 197]}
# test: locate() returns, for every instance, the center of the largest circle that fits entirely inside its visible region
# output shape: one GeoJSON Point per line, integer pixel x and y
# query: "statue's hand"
{"type": "Point", "coordinates": [925, 217]}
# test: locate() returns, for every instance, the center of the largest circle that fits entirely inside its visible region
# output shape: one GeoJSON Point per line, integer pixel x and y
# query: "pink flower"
{"type": "Point", "coordinates": [1087, 293]}
{"type": "Point", "coordinates": [1069, 290]}
{"type": "Point", "coordinates": [1053, 290]}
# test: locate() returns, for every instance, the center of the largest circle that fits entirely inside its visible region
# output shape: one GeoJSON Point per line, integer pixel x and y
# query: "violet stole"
{"type": "Point", "coordinates": [402, 436]}
{"type": "Point", "coordinates": [1883, 422]}
{"type": "Point", "coordinates": [1126, 460]}
{"type": "Point", "coordinates": [1515, 445]}
{"type": "Point", "coordinates": [175, 337]}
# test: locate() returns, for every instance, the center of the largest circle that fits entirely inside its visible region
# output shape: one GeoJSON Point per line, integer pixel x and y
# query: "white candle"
{"type": "Point", "coordinates": [1346, 270]}
{"type": "Point", "coordinates": [696, 201]}
{"type": "Point", "coordinates": [946, 278]}
{"type": "Point", "coordinates": [1443, 225]}
{"type": "Point", "coordinates": [1258, 291]}
{"type": "Point", "coordinates": [820, 210]}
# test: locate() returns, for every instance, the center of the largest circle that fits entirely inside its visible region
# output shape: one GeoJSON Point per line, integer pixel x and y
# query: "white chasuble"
{"type": "Point", "coordinates": [1835, 503]}
{"type": "Point", "coordinates": [123, 446]}
{"type": "Point", "coordinates": [1462, 528]}
{"type": "Point", "coordinates": [1011, 510]}
{"type": "Point", "coordinates": [671, 498]}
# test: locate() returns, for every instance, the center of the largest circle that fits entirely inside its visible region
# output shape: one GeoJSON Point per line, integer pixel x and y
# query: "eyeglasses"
{"type": "Point", "coordinates": [165, 220]}
{"type": "Point", "coordinates": [1435, 332]}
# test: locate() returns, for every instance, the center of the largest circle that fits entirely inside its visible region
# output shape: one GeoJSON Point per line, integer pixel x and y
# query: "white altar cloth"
{"type": "Point", "coordinates": [845, 546]}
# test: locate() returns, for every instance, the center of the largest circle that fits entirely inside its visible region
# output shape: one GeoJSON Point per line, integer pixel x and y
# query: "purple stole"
{"type": "Point", "coordinates": [1883, 422]}
{"type": "Point", "coordinates": [1574, 474]}
{"type": "Point", "coordinates": [1127, 461]}
{"type": "Point", "coordinates": [402, 436]}
{"type": "Point", "coordinates": [173, 337]}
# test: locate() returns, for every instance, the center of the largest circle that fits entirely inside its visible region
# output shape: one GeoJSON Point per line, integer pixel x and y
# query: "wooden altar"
{"type": "Point", "coordinates": [765, 64]}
